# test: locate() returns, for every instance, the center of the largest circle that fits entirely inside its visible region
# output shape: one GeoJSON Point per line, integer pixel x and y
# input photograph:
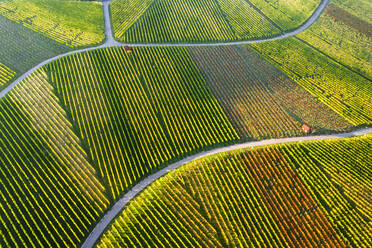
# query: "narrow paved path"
{"type": "Point", "coordinates": [110, 41]}
{"type": "Point", "coordinates": [123, 201]}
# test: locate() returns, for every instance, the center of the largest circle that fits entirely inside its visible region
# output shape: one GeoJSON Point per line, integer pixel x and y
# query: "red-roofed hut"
{"type": "Point", "coordinates": [306, 128]}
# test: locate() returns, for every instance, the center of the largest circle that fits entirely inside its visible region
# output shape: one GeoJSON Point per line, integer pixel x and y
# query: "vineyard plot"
{"type": "Point", "coordinates": [359, 8]}
{"type": "Point", "coordinates": [126, 13]}
{"type": "Point", "coordinates": [21, 49]}
{"type": "Point", "coordinates": [6, 75]}
{"type": "Point", "coordinates": [346, 92]}
{"type": "Point", "coordinates": [338, 174]}
{"type": "Point", "coordinates": [157, 21]}
{"type": "Point", "coordinates": [73, 24]}
{"type": "Point", "coordinates": [258, 99]}
{"type": "Point", "coordinates": [344, 38]}
{"type": "Point", "coordinates": [350, 171]}
{"type": "Point", "coordinates": [287, 195]}
{"type": "Point", "coordinates": [179, 20]}
{"type": "Point", "coordinates": [137, 110]}
{"type": "Point", "coordinates": [331, 60]}
{"type": "Point", "coordinates": [50, 195]}
{"type": "Point", "coordinates": [287, 14]}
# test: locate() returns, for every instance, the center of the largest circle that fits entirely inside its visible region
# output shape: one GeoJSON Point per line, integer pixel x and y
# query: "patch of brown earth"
{"type": "Point", "coordinates": [352, 21]}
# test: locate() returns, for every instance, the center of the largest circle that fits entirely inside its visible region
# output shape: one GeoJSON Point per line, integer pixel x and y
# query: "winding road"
{"type": "Point", "coordinates": [110, 42]}
{"type": "Point", "coordinates": [123, 201]}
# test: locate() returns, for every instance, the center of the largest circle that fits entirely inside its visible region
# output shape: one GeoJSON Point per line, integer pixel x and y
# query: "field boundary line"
{"type": "Point", "coordinates": [111, 214]}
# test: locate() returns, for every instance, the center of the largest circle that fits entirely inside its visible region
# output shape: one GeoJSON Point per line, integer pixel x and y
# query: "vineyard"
{"type": "Point", "coordinates": [6, 75]}
{"type": "Point", "coordinates": [337, 172]}
{"type": "Point", "coordinates": [136, 111]}
{"type": "Point", "coordinates": [50, 194]}
{"type": "Point", "coordinates": [109, 145]}
{"type": "Point", "coordinates": [286, 14]}
{"type": "Point", "coordinates": [179, 20]}
{"type": "Point", "coordinates": [347, 93]}
{"type": "Point", "coordinates": [22, 48]}
{"type": "Point", "coordinates": [207, 20]}
{"type": "Point", "coordinates": [82, 130]}
{"type": "Point", "coordinates": [349, 171]}
{"type": "Point", "coordinates": [73, 24]}
{"type": "Point", "coordinates": [295, 195]}
{"type": "Point", "coordinates": [343, 16]}
{"type": "Point", "coordinates": [359, 8]}
{"type": "Point", "coordinates": [259, 101]}
{"type": "Point", "coordinates": [343, 37]}
{"type": "Point", "coordinates": [331, 60]}
{"type": "Point", "coordinates": [126, 13]}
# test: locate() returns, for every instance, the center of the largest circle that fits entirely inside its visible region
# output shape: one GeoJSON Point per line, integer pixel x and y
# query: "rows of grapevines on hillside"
{"type": "Point", "coordinates": [6, 74]}
{"type": "Point", "coordinates": [125, 13]}
{"type": "Point", "coordinates": [206, 21]}
{"type": "Point", "coordinates": [287, 195]}
{"type": "Point", "coordinates": [138, 110]}
{"type": "Point", "coordinates": [346, 92]}
{"type": "Point", "coordinates": [344, 38]}
{"type": "Point", "coordinates": [50, 194]}
{"type": "Point", "coordinates": [73, 24]}
{"type": "Point", "coordinates": [258, 99]}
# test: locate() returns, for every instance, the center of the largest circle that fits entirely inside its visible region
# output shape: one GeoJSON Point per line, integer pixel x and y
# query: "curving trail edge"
{"type": "Point", "coordinates": [111, 42]}
{"type": "Point", "coordinates": [123, 201]}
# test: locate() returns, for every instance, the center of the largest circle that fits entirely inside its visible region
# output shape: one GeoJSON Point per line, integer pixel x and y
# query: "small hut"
{"type": "Point", "coordinates": [128, 49]}
{"type": "Point", "coordinates": [306, 128]}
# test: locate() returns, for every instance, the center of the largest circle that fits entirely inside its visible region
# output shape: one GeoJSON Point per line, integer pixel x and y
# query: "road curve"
{"type": "Point", "coordinates": [123, 201]}
{"type": "Point", "coordinates": [301, 28]}
{"type": "Point", "coordinates": [110, 42]}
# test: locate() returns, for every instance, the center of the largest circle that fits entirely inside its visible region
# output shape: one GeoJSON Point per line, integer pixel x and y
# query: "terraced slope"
{"type": "Point", "coordinates": [276, 196]}
{"type": "Point", "coordinates": [73, 24]}
{"type": "Point", "coordinates": [157, 21]}
{"type": "Point", "coordinates": [258, 99]}
{"type": "Point", "coordinates": [136, 111]}
{"type": "Point", "coordinates": [50, 194]}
